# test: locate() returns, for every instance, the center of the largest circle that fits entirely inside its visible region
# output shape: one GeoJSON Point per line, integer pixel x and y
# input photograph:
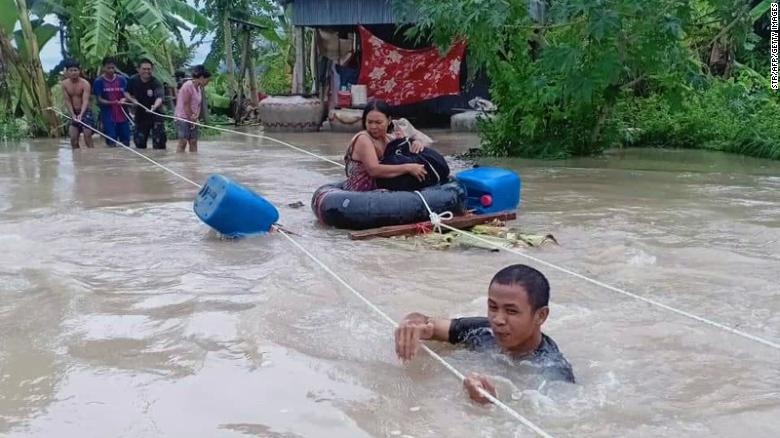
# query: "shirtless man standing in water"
{"type": "Point", "coordinates": [76, 92]}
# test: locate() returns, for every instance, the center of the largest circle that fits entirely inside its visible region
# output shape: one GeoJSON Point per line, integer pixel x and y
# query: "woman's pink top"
{"type": "Point", "coordinates": [190, 92]}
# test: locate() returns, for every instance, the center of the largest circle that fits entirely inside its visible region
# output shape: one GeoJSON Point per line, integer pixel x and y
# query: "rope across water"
{"type": "Point", "coordinates": [501, 405]}
{"type": "Point", "coordinates": [513, 413]}
{"type": "Point", "coordinates": [167, 169]}
{"type": "Point", "coordinates": [245, 134]}
{"type": "Point", "coordinates": [436, 221]}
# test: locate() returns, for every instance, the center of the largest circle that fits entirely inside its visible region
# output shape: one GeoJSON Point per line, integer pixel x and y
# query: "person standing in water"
{"type": "Point", "coordinates": [75, 96]}
{"type": "Point", "coordinates": [144, 89]}
{"type": "Point", "coordinates": [188, 107]}
{"type": "Point", "coordinates": [517, 307]}
{"type": "Point", "coordinates": [110, 89]}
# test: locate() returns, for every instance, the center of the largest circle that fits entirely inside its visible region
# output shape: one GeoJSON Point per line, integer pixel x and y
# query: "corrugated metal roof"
{"type": "Point", "coordinates": [342, 12]}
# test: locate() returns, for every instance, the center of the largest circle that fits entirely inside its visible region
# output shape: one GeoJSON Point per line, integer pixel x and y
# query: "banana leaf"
{"type": "Point", "coordinates": [496, 233]}
{"type": "Point", "coordinates": [175, 24]}
{"type": "Point", "coordinates": [43, 33]}
{"type": "Point", "coordinates": [186, 12]}
{"type": "Point", "coordinates": [217, 100]}
{"type": "Point", "coordinates": [145, 14]}
{"type": "Point", "coordinates": [512, 240]}
{"type": "Point", "coordinates": [9, 16]}
{"type": "Point", "coordinates": [100, 37]}
{"type": "Point", "coordinates": [161, 70]}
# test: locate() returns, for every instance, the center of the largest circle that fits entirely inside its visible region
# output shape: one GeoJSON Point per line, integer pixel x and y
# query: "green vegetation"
{"type": "Point", "coordinates": [573, 78]}
{"type": "Point", "coordinates": [12, 128]}
{"type": "Point", "coordinates": [90, 30]}
{"type": "Point", "coordinates": [26, 91]}
{"type": "Point", "coordinates": [738, 115]}
{"type": "Point", "coordinates": [244, 26]}
{"type": "Point", "coordinates": [277, 76]}
{"type": "Point", "coordinates": [584, 76]}
{"type": "Point", "coordinates": [131, 29]}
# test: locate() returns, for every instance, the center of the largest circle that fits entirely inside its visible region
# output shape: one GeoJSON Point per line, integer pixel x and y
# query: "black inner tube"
{"type": "Point", "coordinates": [361, 210]}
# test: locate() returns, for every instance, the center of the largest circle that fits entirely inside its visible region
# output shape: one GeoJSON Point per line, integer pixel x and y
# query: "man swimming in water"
{"type": "Point", "coordinates": [75, 95]}
{"type": "Point", "coordinates": [518, 298]}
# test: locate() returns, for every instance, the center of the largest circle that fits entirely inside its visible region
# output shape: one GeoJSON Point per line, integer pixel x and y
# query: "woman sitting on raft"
{"type": "Point", "coordinates": [368, 146]}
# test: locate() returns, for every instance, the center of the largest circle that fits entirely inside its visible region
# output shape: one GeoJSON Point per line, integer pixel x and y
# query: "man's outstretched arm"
{"type": "Point", "coordinates": [416, 327]}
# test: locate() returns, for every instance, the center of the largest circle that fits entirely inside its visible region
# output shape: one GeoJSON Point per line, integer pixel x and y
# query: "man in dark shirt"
{"type": "Point", "coordinates": [518, 299]}
{"type": "Point", "coordinates": [143, 88]}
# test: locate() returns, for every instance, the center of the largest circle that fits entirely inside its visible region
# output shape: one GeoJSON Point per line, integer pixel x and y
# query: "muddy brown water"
{"type": "Point", "coordinates": [122, 315]}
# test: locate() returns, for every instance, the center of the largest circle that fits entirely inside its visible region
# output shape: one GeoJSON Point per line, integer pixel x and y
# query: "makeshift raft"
{"type": "Point", "coordinates": [463, 222]}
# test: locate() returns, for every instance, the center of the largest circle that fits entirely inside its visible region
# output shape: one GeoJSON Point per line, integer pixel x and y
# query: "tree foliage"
{"type": "Point", "coordinates": [269, 46]}
{"type": "Point", "coordinates": [268, 32]}
{"type": "Point", "coordinates": [127, 29]}
{"type": "Point", "coordinates": [23, 76]}
{"type": "Point", "coordinates": [91, 30]}
{"type": "Point", "coordinates": [558, 72]}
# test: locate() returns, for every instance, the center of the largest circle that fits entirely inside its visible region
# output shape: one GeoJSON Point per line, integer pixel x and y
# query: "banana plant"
{"type": "Point", "coordinates": [264, 13]}
{"type": "Point", "coordinates": [29, 91]}
{"type": "Point", "coordinates": [99, 28]}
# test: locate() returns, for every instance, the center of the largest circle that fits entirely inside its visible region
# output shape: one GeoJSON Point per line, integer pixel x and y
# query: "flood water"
{"type": "Point", "coordinates": [122, 315]}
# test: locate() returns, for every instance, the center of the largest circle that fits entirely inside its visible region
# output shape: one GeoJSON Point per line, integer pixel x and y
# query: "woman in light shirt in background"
{"type": "Point", "coordinates": [188, 107]}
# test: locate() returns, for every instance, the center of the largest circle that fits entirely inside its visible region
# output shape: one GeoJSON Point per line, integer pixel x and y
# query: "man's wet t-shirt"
{"type": "Point", "coordinates": [476, 334]}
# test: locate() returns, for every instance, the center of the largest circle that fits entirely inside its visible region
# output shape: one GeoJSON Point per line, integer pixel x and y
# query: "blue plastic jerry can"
{"type": "Point", "coordinates": [232, 209]}
{"type": "Point", "coordinates": [490, 189]}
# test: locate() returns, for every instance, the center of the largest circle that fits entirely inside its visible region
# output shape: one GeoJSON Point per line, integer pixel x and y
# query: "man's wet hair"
{"type": "Point", "coordinates": [533, 281]}
{"type": "Point", "coordinates": [109, 60]}
{"type": "Point", "coordinates": [72, 63]}
{"type": "Point", "coordinates": [145, 61]}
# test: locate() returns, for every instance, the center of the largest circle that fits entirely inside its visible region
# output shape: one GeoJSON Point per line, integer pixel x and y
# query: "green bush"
{"type": "Point", "coordinates": [277, 79]}
{"type": "Point", "coordinates": [738, 115]}
{"type": "Point", "coordinates": [556, 80]}
{"type": "Point", "coordinates": [587, 75]}
{"type": "Point", "coordinates": [13, 128]}
{"type": "Point", "coordinates": [217, 94]}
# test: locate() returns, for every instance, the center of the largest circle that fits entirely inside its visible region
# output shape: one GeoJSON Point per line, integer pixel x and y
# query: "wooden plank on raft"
{"type": "Point", "coordinates": [460, 222]}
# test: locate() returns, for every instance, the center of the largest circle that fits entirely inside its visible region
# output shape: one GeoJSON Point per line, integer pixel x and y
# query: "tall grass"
{"type": "Point", "coordinates": [738, 115]}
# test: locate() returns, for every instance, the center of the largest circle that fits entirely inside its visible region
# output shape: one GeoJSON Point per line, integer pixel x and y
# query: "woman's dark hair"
{"type": "Point", "coordinates": [379, 106]}
{"type": "Point", "coordinates": [200, 71]}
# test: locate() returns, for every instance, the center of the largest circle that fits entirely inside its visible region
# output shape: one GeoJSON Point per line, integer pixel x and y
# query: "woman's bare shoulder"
{"type": "Point", "coordinates": [359, 135]}
{"type": "Point", "coordinates": [362, 139]}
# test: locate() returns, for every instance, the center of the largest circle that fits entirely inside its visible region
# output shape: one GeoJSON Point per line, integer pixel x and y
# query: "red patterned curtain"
{"type": "Point", "coordinates": [401, 76]}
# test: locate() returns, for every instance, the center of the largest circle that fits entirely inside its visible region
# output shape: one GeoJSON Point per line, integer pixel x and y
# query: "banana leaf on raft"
{"type": "Point", "coordinates": [496, 232]}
